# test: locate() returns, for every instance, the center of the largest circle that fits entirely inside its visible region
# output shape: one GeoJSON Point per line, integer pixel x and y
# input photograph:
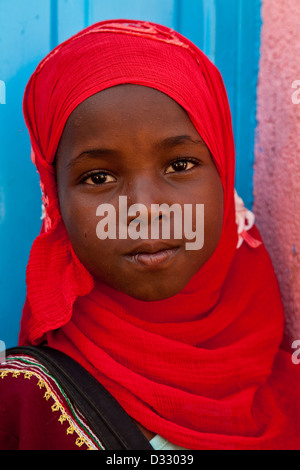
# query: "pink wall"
{"type": "Point", "coordinates": [277, 153]}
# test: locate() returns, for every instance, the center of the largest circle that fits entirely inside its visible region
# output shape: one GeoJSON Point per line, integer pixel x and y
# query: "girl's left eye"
{"type": "Point", "coordinates": [98, 178]}
{"type": "Point", "coordinates": [182, 164]}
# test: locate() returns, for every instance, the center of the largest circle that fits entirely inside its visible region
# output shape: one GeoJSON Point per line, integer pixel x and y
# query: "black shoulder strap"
{"type": "Point", "coordinates": [108, 420]}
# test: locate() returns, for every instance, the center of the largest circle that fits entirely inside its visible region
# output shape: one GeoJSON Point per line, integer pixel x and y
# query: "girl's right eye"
{"type": "Point", "coordinates": [98, 178]}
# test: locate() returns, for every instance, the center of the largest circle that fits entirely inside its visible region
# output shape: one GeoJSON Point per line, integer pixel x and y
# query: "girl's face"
{"type": "Point", "coordinates": [137, 142]}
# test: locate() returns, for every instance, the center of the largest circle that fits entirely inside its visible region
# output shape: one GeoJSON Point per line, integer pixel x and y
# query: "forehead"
{"type": "Point", "coordinates": [126, 94]}
{"type": "Point", "coordinates": [126, 118]}
{"type": "Point", "coordinates": [130, 105]}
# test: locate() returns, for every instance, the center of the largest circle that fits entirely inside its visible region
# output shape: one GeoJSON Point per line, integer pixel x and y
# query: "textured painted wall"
{"type": "Point", "coordinates": [277, 152]}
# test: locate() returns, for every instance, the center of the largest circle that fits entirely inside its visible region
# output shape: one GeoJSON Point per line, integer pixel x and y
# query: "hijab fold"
{"type": "Point", "coordinates": [202, 368]}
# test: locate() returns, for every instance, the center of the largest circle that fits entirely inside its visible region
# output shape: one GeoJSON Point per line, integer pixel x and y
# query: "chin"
{"type": "Point", "coordinates": [153, 295]}
{"type": "Point", "coordinates": [146, 291]}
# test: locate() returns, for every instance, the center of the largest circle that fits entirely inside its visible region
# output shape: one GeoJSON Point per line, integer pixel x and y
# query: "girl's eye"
{"type": "Point", "coordinates": [183, 164]}
{"type": "Point", "coordinates": [99, 178]}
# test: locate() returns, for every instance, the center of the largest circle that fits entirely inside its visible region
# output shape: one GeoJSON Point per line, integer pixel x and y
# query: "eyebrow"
{"type": "Point", "coordinates": [167, 143]}
{"type": "Point", "coordinates": [179, 140]}
{"type": "Point", "coordinates": [88, 154]}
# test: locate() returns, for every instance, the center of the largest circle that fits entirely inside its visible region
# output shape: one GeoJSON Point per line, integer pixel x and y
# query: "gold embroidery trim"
{"type": "Point", "coordinates": [57, 406]}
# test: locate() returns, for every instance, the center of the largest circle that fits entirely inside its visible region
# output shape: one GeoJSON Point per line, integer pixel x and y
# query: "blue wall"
{"type": "Point", "coordinates": [228, 31]}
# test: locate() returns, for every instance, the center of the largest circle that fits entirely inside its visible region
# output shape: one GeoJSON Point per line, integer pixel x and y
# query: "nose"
{"type": "Point", "coordinates": [151, 212]}
{"type": "Point", "coordinates": [144, 195]}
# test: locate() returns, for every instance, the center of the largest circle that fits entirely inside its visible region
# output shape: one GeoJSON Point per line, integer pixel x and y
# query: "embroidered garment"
{"type": "Point", "coordinates": [35, 413]}
{"type": "Point", "coordinates": [204, 368]}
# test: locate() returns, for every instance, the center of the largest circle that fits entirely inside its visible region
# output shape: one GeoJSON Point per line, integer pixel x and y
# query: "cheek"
{"type": "Point", "coordinates": [94, 254]}
{"type": "Point", "coordinates": [80, 221]}
{"type": "Point", "coordinates": [214, 210]}
{"type": "Point", "coordinates": [212, 198]}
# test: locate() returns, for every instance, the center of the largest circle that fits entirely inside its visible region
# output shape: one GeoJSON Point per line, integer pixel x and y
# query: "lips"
{"type": "Point", "coordinates": [152, 255]}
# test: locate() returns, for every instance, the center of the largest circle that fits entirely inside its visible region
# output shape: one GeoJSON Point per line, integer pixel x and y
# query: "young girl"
{"type": "Point", "coordinates": [187, 341]}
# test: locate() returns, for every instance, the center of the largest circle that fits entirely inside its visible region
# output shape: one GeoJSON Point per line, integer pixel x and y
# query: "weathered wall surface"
{"type": "Point", "coordinates": [277, 152]}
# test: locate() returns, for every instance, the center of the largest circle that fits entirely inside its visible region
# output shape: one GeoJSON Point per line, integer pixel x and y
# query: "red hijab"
{"type": "Point", "coordinates": [203, 368]}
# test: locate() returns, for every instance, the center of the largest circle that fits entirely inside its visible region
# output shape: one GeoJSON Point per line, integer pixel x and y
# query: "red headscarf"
{"type": "Point", "coordinates": [195, 368]}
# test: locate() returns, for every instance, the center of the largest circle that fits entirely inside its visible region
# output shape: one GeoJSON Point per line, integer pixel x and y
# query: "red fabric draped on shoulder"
{"type": "Point", "coordinates": [209, 373]}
